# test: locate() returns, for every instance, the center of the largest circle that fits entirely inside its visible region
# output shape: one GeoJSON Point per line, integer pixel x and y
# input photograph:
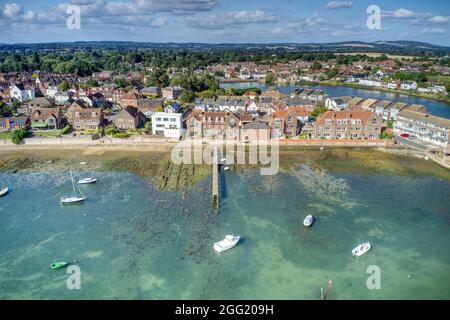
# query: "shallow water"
{"type": "Point", "coordinates": [140, 243]}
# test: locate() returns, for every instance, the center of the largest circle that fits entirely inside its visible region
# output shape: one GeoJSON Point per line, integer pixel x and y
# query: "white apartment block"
{"type": "Point", "coordinates": [168, 124]}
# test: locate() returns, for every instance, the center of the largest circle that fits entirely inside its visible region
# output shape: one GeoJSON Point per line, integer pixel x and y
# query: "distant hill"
{"type": "Point", "coordinates": [391, 47]}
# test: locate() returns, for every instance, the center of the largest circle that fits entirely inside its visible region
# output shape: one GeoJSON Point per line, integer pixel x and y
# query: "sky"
{"type": "Point", "coordinates": [224, 21]}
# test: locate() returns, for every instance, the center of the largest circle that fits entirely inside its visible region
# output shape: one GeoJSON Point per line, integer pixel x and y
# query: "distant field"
{"type": "Point", "coordinates": [375, 54]}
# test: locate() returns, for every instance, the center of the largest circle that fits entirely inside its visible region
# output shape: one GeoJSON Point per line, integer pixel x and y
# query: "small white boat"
{"type": "Point", "coordinates": [361, 249]}
{"type": "Point", "coordinates": [4, 191]}
{"type": "Point", "coordinates": [73, 198]}
{"type": "Point", "coordinates": [87, 181]}
{"type": "Point", "coordinates": [229, 242]}
{"type": "Point", "coordinates": [309, 220]}
{"type": "Point", "coordinates": [83, 162]}
{"type": "Point", "coordinates": [49, 161]}
{"type": "Point", "coordinates": [226, 168]}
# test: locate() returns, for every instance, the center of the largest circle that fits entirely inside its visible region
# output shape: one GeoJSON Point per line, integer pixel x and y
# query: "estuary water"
{"type": "Point", "coordinates": [131, 241]}
{"type": "Point", "coordinates": [435, 107]}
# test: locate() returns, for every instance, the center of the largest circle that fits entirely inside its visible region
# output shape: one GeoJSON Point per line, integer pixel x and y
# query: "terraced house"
{"type": "Point", "coordinates": [213, 124]}
{"type": "Point", "coordinates": [13, 123]}
{"type": "Point", "coordinates": [432, 129]}
{"type": "Point", "coordinates": [87, 119]}
{"type": "Point", "coordinates": [348, 125]}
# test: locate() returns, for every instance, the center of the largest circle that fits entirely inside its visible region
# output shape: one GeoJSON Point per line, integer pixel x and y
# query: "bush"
{"type": "Point", "coordinates": [66, 129]}
{"type": "Point", "coordinates": [17, 136]}
{"type": "Point", "coordinates": [121, 135]}
{"type": "Point", "coordinates": [386, 135]}
{"type": "Point", "coordinates": [111, 130]}
{"type": "Point", "coordinates": [390, 124]}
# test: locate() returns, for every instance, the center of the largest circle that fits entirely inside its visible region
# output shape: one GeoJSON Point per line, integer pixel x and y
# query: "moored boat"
{"type": "Point", "coordinates": [226, 168]}
{"type": "Point", "coordinates": [73, 198]}
{"type": "Point", "coordinates": [58, 265]}
{"type": "Point", "coordinates": [4, 191]}
{"type": "Point", "coordinates": [361, 249]}
{"type": "Point", "coordinates": [227, 243]}
{"type": "Point", "coordinates": [308, 221]}
{"type": "Point", "coordinates": [87, 181]}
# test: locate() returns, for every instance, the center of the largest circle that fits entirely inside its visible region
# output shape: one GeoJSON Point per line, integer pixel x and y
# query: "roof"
{"type": "Point", "coordinates": [87, 114]}
{"type": "Point", "coordinates": [369, 102]}
{"type": "Point", "coordinates": [131, 96]}
{"type": "Point", "coordinates": [40, 101]}
{"type": "Point", "coordinates": [334, 115]}
{"type": "Point", "coordinates": [256, 125]}
{"type": "Point", "coordinates": [45, 113]}
{"type": "Point", "coordinates": [416, 107]}
{"type": "Point", "coordinates": [427, 118]}
{"type": "Point", "coordinates": [132, 111]}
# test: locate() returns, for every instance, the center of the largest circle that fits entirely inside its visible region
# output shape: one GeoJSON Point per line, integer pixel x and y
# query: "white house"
{"type": "Point", "coordinates": [335, 104]}
{"type": "Point", "coordinates": [51, 91]}
{"type": "Point", "coordinates": [409, 85]}
{"type": "Point", "coordinates": [370, 82]}
{"type": "Point", "coordinates": [62, 96]}
{"type": "Point", "coordinates": [168, 124]}
{"type": "Point", "coordinates": [22, 93]}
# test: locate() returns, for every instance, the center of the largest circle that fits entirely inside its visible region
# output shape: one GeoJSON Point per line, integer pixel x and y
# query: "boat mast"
{"type": "Point", "coordinates": [73, 183]}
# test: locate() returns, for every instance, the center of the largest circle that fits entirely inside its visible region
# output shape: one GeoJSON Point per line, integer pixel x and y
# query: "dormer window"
{"type": "Point", "coordinates": [328, 121]}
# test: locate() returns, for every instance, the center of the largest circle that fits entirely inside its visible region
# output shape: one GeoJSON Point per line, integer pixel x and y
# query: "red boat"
{"type": "Point", "coordinates": [404, 135]}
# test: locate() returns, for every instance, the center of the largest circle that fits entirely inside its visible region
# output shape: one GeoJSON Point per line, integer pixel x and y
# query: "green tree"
{"type": "Point", "coordinates": [269, 78]}
{"type": "Point", "coordinates": [332, 73]}
{"type": "Point", "coordinates": [316, 66]}
{"type": "Point", "coordinates": [63, 86]}
{"type": "Point", "coordinates": [318, 110]}
{"type": "Point", "coordinates": [17, 135]}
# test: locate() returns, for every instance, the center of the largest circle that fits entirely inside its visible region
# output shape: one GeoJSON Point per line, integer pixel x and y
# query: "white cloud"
{"type": "Point", "coordinates": [12, 11]}
{"type": "Point", "coordinates": [405, 14]}
{"type": "Point", "coordinates": [434, 31]}
{"type": "Point", "coordinates": [339, 4]}
{"type": "Point", "coordinates": [221, 20]}
{"type": "Point", "coordinates": [439, 19]}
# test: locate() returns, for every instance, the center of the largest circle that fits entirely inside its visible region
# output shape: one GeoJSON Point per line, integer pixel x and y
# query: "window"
{"type": "Point", "coordinates": [158, 119]}
{"type": "Point", "coordinates": [173, 119]}
{"type": "Point", "coordinates": [329, 121]}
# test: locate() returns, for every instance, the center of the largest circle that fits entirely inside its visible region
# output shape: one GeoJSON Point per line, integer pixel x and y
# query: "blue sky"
{"type": "Point", "coordinates": [219, 21]}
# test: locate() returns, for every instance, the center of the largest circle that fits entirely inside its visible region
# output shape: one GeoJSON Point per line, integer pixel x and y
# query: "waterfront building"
{"type": "Point", "coordinates": [87, 119]}
{"type": "Point", "coordinates": [336, 104]}
{"type": "Point", "coordinates": [168, 124]}
{"type": "Point", "coordinates": [213, 124]}
{"type": "Point", "coordinates": [46, 118]}
{"type": "Point", "coordinates": [13, 123]}
{"type": "Point", "coordinates": [129, 118]}
{"type": "Point", "coordinates": [426, 127]}
{"type": "Point", "coordinates": [348, 125]}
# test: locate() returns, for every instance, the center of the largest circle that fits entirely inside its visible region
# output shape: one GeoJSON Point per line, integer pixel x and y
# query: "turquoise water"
{"type": "Point", "coordinates": [139, 243]}
{"type": "Point", "coordinates": [435, 107]}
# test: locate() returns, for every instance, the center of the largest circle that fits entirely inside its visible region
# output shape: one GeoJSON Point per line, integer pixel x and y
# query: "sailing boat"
{"type": "Point", "coordinates": [73, 198]}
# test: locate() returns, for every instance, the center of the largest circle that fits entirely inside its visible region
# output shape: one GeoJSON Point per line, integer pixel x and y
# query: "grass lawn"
{"type": "Point", "coordinates": [5, 135]}
{"type": "Point", "coordinates": [50, 133]}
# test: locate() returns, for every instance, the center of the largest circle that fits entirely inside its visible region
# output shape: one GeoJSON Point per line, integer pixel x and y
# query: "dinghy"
{"type": "Point", "coordinates": [4, 191]}
{"type": "Point", "coordinates": [87, 181]}
{"type": "Point", "coordinates": [73, 198]}
{"type": "Point", "coordinates": [361, 249]}
{"type": "Point", "coordinates": [226, 168]}
{"type": "Point", "coordinates": [229, 242]}
{"type": "Point", "coordinates": [58, 265]}
{"type": "Point", "coordinates": [309, 220]}
{"type": "Point", "coordinates": [83, 163]}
